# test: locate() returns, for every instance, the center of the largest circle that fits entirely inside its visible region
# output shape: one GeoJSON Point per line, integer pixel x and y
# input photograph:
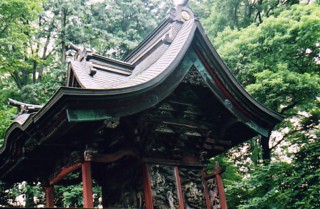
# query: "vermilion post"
{"type": "Point", "coordinates": [87, 185]}
{"type": "Point", "coordinates": [205, 187]}
{"type": "Point", "coordinates": [49, 196]}
{"type": "Point", "coordinates": [147, 187]}
{"type": "Point", "coordinates": [179, 190]}
{"type": "Point", "coordinates": [222, 196]}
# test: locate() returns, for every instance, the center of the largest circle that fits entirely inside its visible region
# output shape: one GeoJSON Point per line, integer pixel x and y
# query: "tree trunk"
{"type": "Point", "coordinates": [24, 77]}
{"type": "Point", "coordinates": [266, 151]}
{"type": "Point", "coordinates": [63, 36]}
{"type": "Point", "coordinates": [259, 16]}
{"type": "Point", "coordinates": [34, 71]}
{"type": "Point", "coordinates": [235, 16]}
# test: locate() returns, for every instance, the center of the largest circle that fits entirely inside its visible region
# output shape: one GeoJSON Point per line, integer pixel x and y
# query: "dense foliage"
{"type": "Point", "coordinates": [272, 48]}
{"type": "Point", "coordinates": [277, 61]}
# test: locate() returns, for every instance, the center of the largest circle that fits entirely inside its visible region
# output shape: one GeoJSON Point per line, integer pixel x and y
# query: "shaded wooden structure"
{"type": "Point", "coordinates": [144, 127]}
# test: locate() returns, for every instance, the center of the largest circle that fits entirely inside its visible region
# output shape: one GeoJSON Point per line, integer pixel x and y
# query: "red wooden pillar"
{"type": "Point", "coordinates": [222, 196]}
{"type": "Point", "coordinates": [179, 189]}
{"type": "Point", "coordinates": [147, 187]}
{"type": "Point", "coordinates": [49, 196]}
{"type": "Point", "coordinates": [87, 185]}
{"type": "Point", "coordinates": [205, 188]}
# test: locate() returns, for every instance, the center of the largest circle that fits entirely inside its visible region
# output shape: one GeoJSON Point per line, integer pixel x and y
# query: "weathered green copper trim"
{"type": "Point", "coordinates": [86, 115]}
{"type": "Point", "coordinates": [228, 104]}
{"type": "Point", "coordinates": [258, 128]}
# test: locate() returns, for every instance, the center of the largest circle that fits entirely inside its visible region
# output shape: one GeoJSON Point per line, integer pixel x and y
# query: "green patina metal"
{"type": "Point", "coordinates": [258, 128]}
{"type": "Point", "coordinates": [205, 75]}
{"type": "Point", "coordinates": [85, 115]}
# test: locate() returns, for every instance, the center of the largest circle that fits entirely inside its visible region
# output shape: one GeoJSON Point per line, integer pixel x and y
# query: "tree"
{"type": "Point", "coordinates": [282, 184]}
{"type": "Point", "coordinates": [238, 14]}
{"type": "Point", "coordinates": [278, 63]}
{"type": "Point", "coordinates": [277, 59]}
{"type": "Point", "coordinates": [119, 26]}
{"type": "Point", "coordinates": [15, 31]}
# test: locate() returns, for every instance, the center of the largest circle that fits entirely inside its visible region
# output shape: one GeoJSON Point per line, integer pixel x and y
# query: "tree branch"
{"type": "Point", "coordinates": [284, 137]}
{"type": "Point", "coordinates": [53, 49]}
{"type": "Point", "coordinates": [292, 105]}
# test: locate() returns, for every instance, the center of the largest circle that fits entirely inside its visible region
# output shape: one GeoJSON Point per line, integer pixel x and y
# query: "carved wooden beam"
{"type": "Point", "coordinates": [185, 161]}
{"type": "Point", "coordinates": [108, 158]}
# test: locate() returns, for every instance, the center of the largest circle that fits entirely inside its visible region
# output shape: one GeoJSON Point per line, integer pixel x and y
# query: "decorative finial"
{"type": "Point", "coordinates": [181, 12]}
{"type": "Point", "coordinates": [180, 2]}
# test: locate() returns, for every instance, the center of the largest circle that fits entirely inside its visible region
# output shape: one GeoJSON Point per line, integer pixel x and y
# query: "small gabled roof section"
{"type": "Point", "coordinates": [158, 52]}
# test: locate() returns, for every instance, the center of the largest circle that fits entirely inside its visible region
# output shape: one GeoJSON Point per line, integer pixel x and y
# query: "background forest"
{"type": "Point", "coordinates": [271, 46]}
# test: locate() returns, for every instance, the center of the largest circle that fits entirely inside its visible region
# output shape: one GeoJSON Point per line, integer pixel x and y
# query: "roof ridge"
{"type": "Point", "coordinates": [180, 14]}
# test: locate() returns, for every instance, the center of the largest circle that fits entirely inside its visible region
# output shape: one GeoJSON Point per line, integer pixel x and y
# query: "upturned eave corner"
{"type": "Point", "coordinates": [223, 73]}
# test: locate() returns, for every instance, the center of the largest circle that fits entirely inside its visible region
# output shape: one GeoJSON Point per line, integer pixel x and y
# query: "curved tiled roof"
{"type": "Point", "coordinates": [176, 51]}
{"type": "Point", "coordinates": [157, 55]}
{"type": "Point", "coordinates": [97, 82]}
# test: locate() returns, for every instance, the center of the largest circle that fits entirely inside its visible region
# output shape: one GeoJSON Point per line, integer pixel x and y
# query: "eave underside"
{"type": "Point", "coordinates": [180, 126]}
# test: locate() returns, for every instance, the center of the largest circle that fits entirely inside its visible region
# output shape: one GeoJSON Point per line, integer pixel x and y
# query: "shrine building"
{"type": "Point", "coordinates": [143, 128]}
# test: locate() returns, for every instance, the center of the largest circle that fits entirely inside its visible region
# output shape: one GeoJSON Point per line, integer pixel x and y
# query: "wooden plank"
{"type": "Point", "coordinates": [147, 187]}
{"type": "Point", "coordinates": [179, 189]}
{"type": "Point", "coordinates": [50, 197]}
{"type": "Point", "coordinates": [87, 185]}
{"type": "Point", "coordinates": [64, 172]}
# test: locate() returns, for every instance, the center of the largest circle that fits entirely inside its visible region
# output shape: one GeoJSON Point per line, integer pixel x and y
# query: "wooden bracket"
{"type": "Point", "coordinates": [108, 158]}
{"type": "Point", "coordinates": [64, 172]}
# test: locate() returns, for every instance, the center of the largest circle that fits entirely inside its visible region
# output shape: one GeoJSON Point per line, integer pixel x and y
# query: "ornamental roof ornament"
{"type": "Point", "coordinates": [181, 12]}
